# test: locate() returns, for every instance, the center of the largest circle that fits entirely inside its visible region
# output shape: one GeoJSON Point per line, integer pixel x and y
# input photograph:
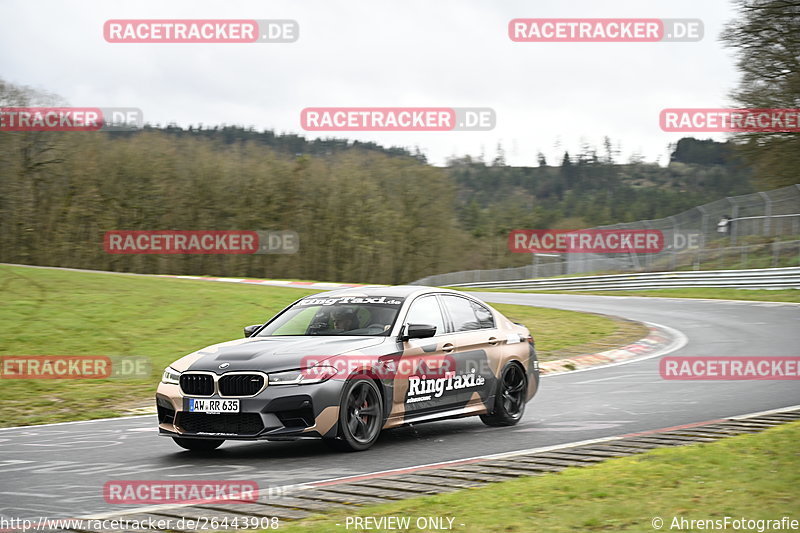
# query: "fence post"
{"type": "Point", "coordinates": [703, 223]}
{"type": "Point", "coordinates": [734, 224]}
{"type": "Point", "coordinates": [648, 258]}
{"type": "Point", "coordinates": [673, 259]}
{"type": "Point", "coordinates": [767, 212]}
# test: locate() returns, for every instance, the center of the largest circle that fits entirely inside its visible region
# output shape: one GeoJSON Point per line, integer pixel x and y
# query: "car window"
{"type": "Point", "coordinates": [426, 310]}
{"type": "Point", "coordinates": [461, 313]}
{"type": "Point", "coordinates": [336, 315]}
{"type": "Point", "coordinates": [485, 317]}
{"type": "Point", "coordinates": [296, 325]}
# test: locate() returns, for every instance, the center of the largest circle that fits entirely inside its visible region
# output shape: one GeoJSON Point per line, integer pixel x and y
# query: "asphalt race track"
{"type": "Point", "coordinates": [58, 471]}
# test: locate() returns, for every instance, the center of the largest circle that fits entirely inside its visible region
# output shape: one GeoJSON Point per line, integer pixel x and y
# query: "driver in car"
{"type": "Point", "coordinates": [344, 319]}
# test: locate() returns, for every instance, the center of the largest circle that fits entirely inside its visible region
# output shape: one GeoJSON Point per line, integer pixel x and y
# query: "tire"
{"type": "Point", "coordinates": [509, 402]}
{"type": "Point", "coordinates": [360, 417]}
{"type": "Point", "coordinates": [198, 445]}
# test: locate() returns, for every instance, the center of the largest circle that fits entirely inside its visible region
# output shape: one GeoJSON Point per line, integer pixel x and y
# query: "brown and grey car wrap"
{"type": "Point", "coordinates": [476, 356]}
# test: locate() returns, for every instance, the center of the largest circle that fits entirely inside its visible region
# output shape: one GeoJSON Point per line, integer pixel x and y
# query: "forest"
{"type": "Point", "coordinates": [363, 213]}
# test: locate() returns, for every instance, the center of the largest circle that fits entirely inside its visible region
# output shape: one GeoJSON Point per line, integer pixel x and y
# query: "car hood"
{"type": "Point", "coordinates": [270, 354]}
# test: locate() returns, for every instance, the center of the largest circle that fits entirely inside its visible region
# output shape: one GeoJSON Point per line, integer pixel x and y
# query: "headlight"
{"type": "Point", "coordinates": [303, 376]}
{"type": "Point", "coordinates": [170, 376]}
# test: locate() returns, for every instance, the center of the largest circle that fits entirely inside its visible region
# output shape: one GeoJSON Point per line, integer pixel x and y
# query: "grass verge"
{"type": "Point", "coordinates": [749, 476]}
{"type": "Point", "coordinates": [562, 334]}
{"type": "Point", "coordinates": [59, 312]}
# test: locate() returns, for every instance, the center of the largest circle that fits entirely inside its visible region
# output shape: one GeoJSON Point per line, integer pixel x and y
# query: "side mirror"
{"type": "Point", "coordinates": [249, 330]}
{"type": "Point", "coordinates": [418, 331]}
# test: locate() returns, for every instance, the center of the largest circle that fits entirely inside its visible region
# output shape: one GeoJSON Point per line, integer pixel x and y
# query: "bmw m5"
{"type": "Point", "coordinates": [343, 365]}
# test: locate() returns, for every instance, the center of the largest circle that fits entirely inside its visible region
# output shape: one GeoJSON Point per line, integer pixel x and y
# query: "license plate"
{"type": "Point", "coordinates": [213, 406]}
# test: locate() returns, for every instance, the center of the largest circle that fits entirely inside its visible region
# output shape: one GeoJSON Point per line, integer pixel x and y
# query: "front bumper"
{"type": "Point", "coordinates": [278, 412]}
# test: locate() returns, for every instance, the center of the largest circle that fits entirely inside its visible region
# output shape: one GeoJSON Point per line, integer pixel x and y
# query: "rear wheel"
{"type": "Point", "coordinates": [509, 402]}
{"type": "Point", "coordinates": [360, 416]}
{"type": "Point", "coordinates": [198, 445]}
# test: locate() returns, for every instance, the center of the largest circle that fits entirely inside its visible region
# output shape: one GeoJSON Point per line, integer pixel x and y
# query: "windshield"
{"type": "Point", "coordinates": [341, 315]}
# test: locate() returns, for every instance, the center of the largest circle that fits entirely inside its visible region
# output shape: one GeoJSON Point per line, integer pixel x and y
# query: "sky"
{"type": "Point", "coordinates": [548, 97]}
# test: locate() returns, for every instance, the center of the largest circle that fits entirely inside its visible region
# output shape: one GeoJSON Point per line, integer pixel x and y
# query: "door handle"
{"type": "Point", "coordinates": [447, 347]}
{"type": "Point", "coordinates": [493, 341]}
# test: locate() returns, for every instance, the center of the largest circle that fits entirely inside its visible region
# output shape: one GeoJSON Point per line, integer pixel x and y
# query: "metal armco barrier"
{"type": "Point", "coordinates": [763, 278]}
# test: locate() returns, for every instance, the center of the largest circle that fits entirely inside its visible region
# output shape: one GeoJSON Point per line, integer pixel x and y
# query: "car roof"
{"type": "Point", "coordinates": [396, 291]}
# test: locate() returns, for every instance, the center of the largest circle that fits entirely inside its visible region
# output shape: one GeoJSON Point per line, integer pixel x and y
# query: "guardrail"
{"type": "Point", "coordinates": [763, 278]}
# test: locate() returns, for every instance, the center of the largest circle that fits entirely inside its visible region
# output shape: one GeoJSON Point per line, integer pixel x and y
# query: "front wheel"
{"type": "Point", "coordinates": [509, 401]}
{"type": "Point", "coordinates": [360, 416]}
{"type": "Point", "coordinates": [198, 445]}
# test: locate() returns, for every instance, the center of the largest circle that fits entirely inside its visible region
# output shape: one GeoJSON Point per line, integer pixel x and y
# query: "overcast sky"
{"type": "Point", "coordinates": [414, 53]}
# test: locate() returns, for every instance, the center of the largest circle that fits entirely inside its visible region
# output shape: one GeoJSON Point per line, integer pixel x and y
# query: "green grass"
{"type": "Point", "coordinates": [777, 295]}
{"type": "Point", "coordinates": [55, 312]}
{"type": "Point", "coordinates": [722, 255]}
{"type": "Point", "coordinates": [561, 333]}
{"type": "Point", "coordinates": [58, 312]}
{"type": "Point", "coordinates": [751, 476]}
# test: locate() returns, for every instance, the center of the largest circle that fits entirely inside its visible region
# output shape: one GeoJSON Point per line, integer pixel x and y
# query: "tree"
{"type": "Point", "coordinates": [500, 158]}
{"type": "Point", "coordinates": [766, 38]}
{"type": "Point", "coordinates": [568, 174]}
{"type": "Point", "coordinates": [541, 159]}
{"type": "Point", "coordinates": [702, 152]}
{"type": "Point", "coordinates": [609, 151]}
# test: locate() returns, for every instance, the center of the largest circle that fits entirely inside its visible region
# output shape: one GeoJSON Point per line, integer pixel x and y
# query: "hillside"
{"type": "Point", "coordinates": [363, 212]}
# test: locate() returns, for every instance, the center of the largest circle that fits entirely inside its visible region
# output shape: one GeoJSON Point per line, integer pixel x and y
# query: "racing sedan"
{"type": "Point", "coordinates": [343, 365]}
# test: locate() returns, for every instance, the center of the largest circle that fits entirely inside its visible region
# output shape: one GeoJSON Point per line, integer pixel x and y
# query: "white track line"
{"type": "Point", "coordinates": [76, 422]}
{"type": "Point", "coordinates": [287, 489]}
{"type": "Point", "coordinates": [679, 340]}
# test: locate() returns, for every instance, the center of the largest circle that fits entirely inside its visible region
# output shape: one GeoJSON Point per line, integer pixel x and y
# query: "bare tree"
{"type": "Point", "coordinates": [766, 38]}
